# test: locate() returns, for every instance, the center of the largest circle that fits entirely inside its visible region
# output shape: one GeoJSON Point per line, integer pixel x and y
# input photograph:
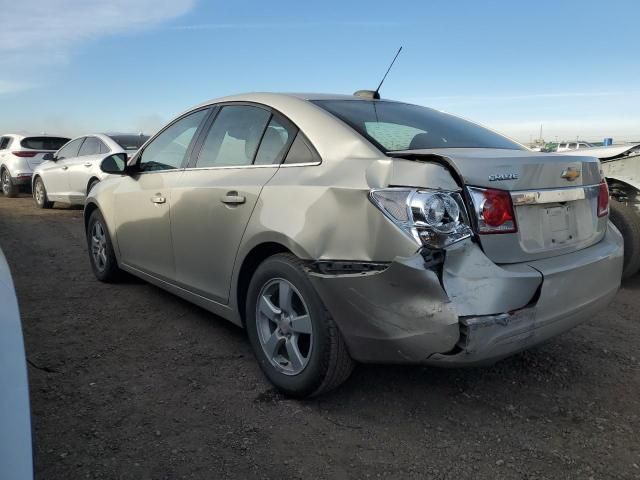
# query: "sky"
{"type": "Point", "coordinates": [74, 67]}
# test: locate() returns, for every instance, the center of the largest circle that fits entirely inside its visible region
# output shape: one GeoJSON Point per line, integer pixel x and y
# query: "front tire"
{"type": "Point", "coordinates": [40, 194]}
{"type": "Point", "coordinates": [8, 187]}
{"type": "Point", "coordinates": [296, 342]}
{"type": "Point", "coordinates": [101, 254]}
{"type": "Point", "coordinates": [627, 220]}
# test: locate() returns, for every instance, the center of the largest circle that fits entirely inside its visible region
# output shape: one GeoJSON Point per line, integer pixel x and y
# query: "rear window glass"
{"type": "Point", "coordinates": [396, 126]}
{"type": "Point", "coordinates": [43, 143]}
{"type": "Point", "coordinates": [129, 142]}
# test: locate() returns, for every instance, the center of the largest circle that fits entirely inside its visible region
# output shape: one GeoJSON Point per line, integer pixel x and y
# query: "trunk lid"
{"type": "Point", "coordinates": [555, 198]}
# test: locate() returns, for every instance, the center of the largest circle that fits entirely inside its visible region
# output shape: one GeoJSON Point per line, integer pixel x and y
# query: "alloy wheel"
{"type": "Point", "coordinates": [284, 326]}
{"type": "Point", "coordinates": [99, 246]}
{"type": "Point", "coordinates": [39, 192]}
{"type": "Point", "coordinates": [6, 182]}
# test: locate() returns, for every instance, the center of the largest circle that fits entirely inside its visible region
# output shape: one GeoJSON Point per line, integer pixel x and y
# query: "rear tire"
{"type": "Point", "coordinates": [101, 255]}
{"type": "Point", "coordinates": [40, 194]}
{"type": "Point", "coordinates": [302, 324]}
{"type": "Point", "coordinates": [8, 187]}
{"type": "Point", "coordinates": [627, 220]}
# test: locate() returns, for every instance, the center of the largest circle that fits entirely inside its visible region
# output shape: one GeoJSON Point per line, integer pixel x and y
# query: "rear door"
{"type": "Point", "coordinates": [81, 167]}
{"type": "Point", "coordinates": [54, 172]}
{"type": "Point", "coordinates": [213, 202]}
{"type": "Point", "coordinates": [143, 200]}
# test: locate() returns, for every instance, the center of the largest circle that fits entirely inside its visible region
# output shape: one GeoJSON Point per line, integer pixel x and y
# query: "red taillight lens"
{"type": "Point", "coordinates": [603, 199]}
{"type": "Point", "coordinates": [494, 211]}
{"type": "Point", "coordinates": [27, 153]}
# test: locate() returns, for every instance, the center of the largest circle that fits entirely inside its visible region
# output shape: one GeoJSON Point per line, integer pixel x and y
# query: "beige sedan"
{"type": "Point", "coordinates": [342, 229]}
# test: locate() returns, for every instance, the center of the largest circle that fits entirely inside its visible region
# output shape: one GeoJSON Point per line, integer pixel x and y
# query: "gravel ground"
{"type": "Point", "coordinates": [130, 382]}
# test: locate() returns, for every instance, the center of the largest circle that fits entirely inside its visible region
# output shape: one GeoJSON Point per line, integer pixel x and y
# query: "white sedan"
{"type": "Point", "coordinates": [68, 175]}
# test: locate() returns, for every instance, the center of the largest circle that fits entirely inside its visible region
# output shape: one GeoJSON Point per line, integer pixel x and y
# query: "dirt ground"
{"type": "Point", "coordinates": [130, 382]}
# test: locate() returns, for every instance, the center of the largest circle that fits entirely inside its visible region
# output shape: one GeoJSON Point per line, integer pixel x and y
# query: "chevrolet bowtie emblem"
{"type": "Point", "coordinates": [570, 173]}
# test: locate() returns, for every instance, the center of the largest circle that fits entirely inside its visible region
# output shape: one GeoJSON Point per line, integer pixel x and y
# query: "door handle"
{"type": "Point", "coordinates": [65, 167]}
{"type": "Point", "coordinates": [232, 198]}
{"type": "Point", "coordinates": [88, 164]}
{"type": "Point", "coordinates": [158, 199]}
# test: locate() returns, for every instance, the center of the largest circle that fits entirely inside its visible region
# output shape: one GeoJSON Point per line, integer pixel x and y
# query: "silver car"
{"type": "Point", "coordinates": [67, 175]}
{"type": "Point", "coordinates": [347, 228]}
{"type": "Point", "coordinates": [16, 458]}
{"type": "Point", "coordinates": [20, 155]}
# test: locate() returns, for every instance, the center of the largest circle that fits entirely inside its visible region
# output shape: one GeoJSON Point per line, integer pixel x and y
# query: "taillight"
{"type": "Point", "coordinates": [26, 153]}
{"type": "Point", "coordinates": [603, 199]}
{"type": "Point", "coordinates": [435, 219]}
{"type": "Point", "coordinates": [494, 210]}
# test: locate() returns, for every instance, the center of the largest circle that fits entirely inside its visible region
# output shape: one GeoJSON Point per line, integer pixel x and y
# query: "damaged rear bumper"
{"type": "Point", "coordinates": [474, 312]}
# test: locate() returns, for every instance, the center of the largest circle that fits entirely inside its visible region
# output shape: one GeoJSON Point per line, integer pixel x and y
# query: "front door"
{"type": "Point", "coordinates": [55, 174]}
{"type": "Point", "coordinates": [143, 201]}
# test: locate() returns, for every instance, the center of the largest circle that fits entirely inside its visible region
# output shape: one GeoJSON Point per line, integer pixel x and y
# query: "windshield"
{"type": "Point", "coordinates": [129, 142]}
{"type": "Point", "coordinates": [393, 126]}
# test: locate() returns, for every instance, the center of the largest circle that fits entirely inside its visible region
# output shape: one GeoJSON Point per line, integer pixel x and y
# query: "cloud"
{"type": "Point", "coordinates": [37, 34]}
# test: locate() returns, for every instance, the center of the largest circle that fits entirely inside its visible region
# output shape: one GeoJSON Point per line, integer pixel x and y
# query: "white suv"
{"type": "Point", "coordinates": [20, 155]}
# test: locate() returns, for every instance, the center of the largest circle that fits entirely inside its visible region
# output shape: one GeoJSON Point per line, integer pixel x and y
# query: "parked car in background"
{"type": "Point", "coordinates": [67, 175]}
{"type": "Point", "coordinates": [621, 167]}
{"type": "Point", "coordinates": [20, 155]}
{"type": "Point", "coordinates": [566, 146]}
{"type": "Point", "coordinates": [346, 228]}
{"type": "Point", "coordinates": [16, 457]}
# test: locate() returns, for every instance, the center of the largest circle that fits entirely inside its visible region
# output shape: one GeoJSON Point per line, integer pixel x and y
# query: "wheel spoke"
{"type": "Point", "coordinates": [103, 258]}
{"type": "Point", "coordinates": [295, 357]}
{"type": "Point", "coordinates": [301, 324]}
{"type": "Point", "coordinates": [285, 295]}
{"type": "Point", "coordinates": [272, 345]}
{"type": "Point", "coordinates": [268, 308]}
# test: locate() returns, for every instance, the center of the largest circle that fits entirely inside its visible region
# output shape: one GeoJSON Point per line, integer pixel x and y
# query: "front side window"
{"type": "Point", "coordinates": [91, 146]}
{"type": "Point", "coordinates": [70, 150]}
{"type": "Point", "coordinates": [573, 146]}
{"type": "Point", "coordinates": [168, 149]}
{"type": "Point", "coordinates": [396, 126]}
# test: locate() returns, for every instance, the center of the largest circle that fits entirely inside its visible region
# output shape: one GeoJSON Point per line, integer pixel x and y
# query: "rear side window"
{"type": "Point", "coordinates": [395, 126]}
{"type": "Point", "coordinates": [4, 142]}
{"type": "Point", "coordinates": [277, 137]}
{"type": "Point", "coordinates": [91, 146]}
{"type": "Point", "coordinates": [234, 137]}
{"type": "Point", "coordinates": [301, 151]}
{"type": "Point", "coordinates": [70, 150]}
{"type": "Point", "coordinates": [168, 149]}
{"type": "Point", "coordinates": [43, 143]}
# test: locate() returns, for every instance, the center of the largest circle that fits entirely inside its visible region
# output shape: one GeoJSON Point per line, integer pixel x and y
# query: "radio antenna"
{"type": "Point", "coordinates": [376, 94]}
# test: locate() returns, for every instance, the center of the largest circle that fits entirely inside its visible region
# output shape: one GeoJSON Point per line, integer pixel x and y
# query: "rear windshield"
{"type": "Point", "coordinates": [43, 143]}
{"type": "Point", "coordinates": [393, 126]}
{"type": "Point", "coordinates": [129, 142]}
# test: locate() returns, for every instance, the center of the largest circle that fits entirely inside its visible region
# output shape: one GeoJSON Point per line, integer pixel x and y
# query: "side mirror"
{"type": "Point", "coordinates": [49, 156]}
{"type": "Point", "coordinates": [115, 164]}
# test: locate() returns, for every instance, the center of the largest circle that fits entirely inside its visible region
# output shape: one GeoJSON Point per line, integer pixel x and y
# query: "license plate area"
{"type": "Point", "coordinates": [552, 226]}
{"type": "Point", "coordinates": [557, 223]}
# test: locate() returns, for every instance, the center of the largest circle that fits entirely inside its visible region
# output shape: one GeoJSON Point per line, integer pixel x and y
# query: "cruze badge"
{"type": "Point", "coordinates": [570, 174]}
{"type": "Point", "coordinates": [503, 176]}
